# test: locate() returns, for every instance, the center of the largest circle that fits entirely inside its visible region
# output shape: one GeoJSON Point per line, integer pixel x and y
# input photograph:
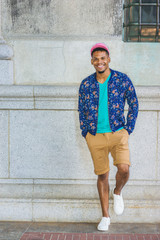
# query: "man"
{"type": "Point", "coordinates": [102, 98]}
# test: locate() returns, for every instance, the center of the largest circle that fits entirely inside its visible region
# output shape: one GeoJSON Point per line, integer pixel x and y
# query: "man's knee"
{"type": "Point", "coordinates": [123, 169]}
{"type": "Point", "coordinates": [103, 177]}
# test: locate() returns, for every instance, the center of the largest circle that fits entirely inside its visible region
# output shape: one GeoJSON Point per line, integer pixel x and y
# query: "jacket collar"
{"type": "Point", "coordinates": [112, 74]}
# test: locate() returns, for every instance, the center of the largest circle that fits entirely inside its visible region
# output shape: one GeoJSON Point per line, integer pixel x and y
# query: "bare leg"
{"type": "Point", "coordinates": [121, 177]}
{"type": "Point", "coordinates": [103, 189]}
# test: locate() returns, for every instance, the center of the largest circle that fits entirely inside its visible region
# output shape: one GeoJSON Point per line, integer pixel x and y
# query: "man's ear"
{"type": "Point", "coordinates": [92, 61]}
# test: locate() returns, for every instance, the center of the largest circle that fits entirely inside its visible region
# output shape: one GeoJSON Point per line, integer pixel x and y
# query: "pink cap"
{"type": "Point", "coordinates": [99, 45]}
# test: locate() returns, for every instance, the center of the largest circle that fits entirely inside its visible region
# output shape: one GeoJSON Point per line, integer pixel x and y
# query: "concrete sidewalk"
{"type": "Point", "coordinates": [77, 231]}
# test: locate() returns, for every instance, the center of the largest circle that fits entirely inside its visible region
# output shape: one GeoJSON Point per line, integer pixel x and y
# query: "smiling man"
{"type": "Point", "coordinates": [102, 98]}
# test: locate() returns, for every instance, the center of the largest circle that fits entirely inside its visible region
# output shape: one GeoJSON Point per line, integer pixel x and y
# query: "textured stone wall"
{"type": "Point", "coordinates": [51, 40]}
{"type": "Point", "coordinates": [62, 17]}
{"type": "Point", "coordinates": [46, 171]}
{"type": "Point", "coordinates": [48, 62]}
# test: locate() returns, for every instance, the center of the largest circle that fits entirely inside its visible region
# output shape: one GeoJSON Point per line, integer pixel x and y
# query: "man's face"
{"type": "Point", "coordinates": [100, 60]}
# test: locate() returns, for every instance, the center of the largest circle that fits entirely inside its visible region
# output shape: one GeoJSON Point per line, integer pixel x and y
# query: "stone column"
{"type": "Point", "coordinates": [6, 63]}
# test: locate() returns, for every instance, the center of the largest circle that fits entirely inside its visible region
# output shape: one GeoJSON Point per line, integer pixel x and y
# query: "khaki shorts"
{"type": "Point", "coordinates": [102, 143]}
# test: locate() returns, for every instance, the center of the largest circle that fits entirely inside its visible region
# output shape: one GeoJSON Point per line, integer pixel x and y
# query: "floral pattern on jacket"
{"type": "Point", "coordinates": [120, 89]}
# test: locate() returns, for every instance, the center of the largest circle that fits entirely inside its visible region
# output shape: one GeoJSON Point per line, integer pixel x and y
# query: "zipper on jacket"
{"type": "Point", "coordinates": [97, 108]}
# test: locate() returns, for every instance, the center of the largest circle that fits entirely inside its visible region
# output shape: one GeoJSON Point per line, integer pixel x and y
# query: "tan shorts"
{"type": "Point", "coordinates": [102, 143]}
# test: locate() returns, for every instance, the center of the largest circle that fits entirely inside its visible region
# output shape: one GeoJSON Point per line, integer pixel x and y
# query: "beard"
{"type": "Point", "coordinates": [101, 72]}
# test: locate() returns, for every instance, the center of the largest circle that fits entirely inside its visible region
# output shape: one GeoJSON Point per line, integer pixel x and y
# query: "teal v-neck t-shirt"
{"type": "Point", "coordinates": [103, 118]}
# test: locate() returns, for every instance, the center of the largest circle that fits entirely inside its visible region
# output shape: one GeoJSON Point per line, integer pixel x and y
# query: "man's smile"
{"type": "Point", "coordinates": [100, 66]}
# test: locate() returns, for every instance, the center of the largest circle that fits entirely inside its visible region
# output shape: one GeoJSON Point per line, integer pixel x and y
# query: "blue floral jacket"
{"type": "Point", "coordinates": [120, 88]}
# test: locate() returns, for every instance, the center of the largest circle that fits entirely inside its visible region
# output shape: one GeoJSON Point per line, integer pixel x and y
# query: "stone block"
{"type": "Point", "coordinates": [89, 211]}
{"type": "Point", "coordinates": [16, 191]}
{"type": "Point", "coordinates": [57, 91]}
{"type": "Point", "coordinates": [72, 210]}
{"type": "Point", "coordinates": [48, 145]}
{"type": "Point", "coordinates": [6, 52]}
{"type": "Point", "coordinates": [15, 210]}
{"type": "Point", "coordinates": [55, 104]}
{"type": "Point", "coordinates": [135, 190]}
{"type": "Point", "coordinates": [11, 181]}
{"type": "Point", "coordinates": [61, 61]}
{"type": "Point", "coordinates": [16, 188]}
{"type": "Point", "coordinates": [4, 144]}
{"type": "Point", "coordinates": [56, 97]}
{"type": "Point", "coordinates": [17, 103]}
{"type": "Point", "coordinates": [43, 62]}
{"type": "Point", "coordinates": [6, 70]}
{"type": "Point", "coordinates": [65, 210]}
{"type": "Point", "coordinates": [16, 97]}
{"type": "Point", "coordinates": [16, 91]}
{"type": "Point", "coordinates": [65, 191]}
{"type": "Point", "coordinates": [62, 18]}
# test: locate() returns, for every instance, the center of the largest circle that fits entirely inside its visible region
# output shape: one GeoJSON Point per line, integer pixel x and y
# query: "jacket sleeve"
{"type": "Point", "coordinates": [133, 107]}
{"type": "Point", "coordinates": [81, 109]}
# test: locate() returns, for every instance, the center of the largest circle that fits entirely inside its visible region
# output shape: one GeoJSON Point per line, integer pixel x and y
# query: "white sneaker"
{"type": "Point", "coordinates": [104, 223]}
{"type": "Point", "coordinates": [118, 204]}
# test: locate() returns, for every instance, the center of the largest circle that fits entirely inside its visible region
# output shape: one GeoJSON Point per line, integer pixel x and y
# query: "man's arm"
{"type": "Point", "coordinates": [81, 109]}
{"type": "Point", "coordinates": [133, 107]}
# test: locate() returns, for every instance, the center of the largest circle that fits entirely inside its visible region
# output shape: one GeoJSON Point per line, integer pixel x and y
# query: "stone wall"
{"type": "Point", "coordinates": [46, 172]}
{"type": "Point", "coordinates": [62, 18]}
{"type": "Point", "coordinates": [51, 40]}
{"type": "Point", "coordinates": [46, 169]}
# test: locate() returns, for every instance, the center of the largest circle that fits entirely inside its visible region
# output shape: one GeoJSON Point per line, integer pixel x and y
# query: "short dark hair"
{"type": "Point", "coordinates": [100, 49]}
